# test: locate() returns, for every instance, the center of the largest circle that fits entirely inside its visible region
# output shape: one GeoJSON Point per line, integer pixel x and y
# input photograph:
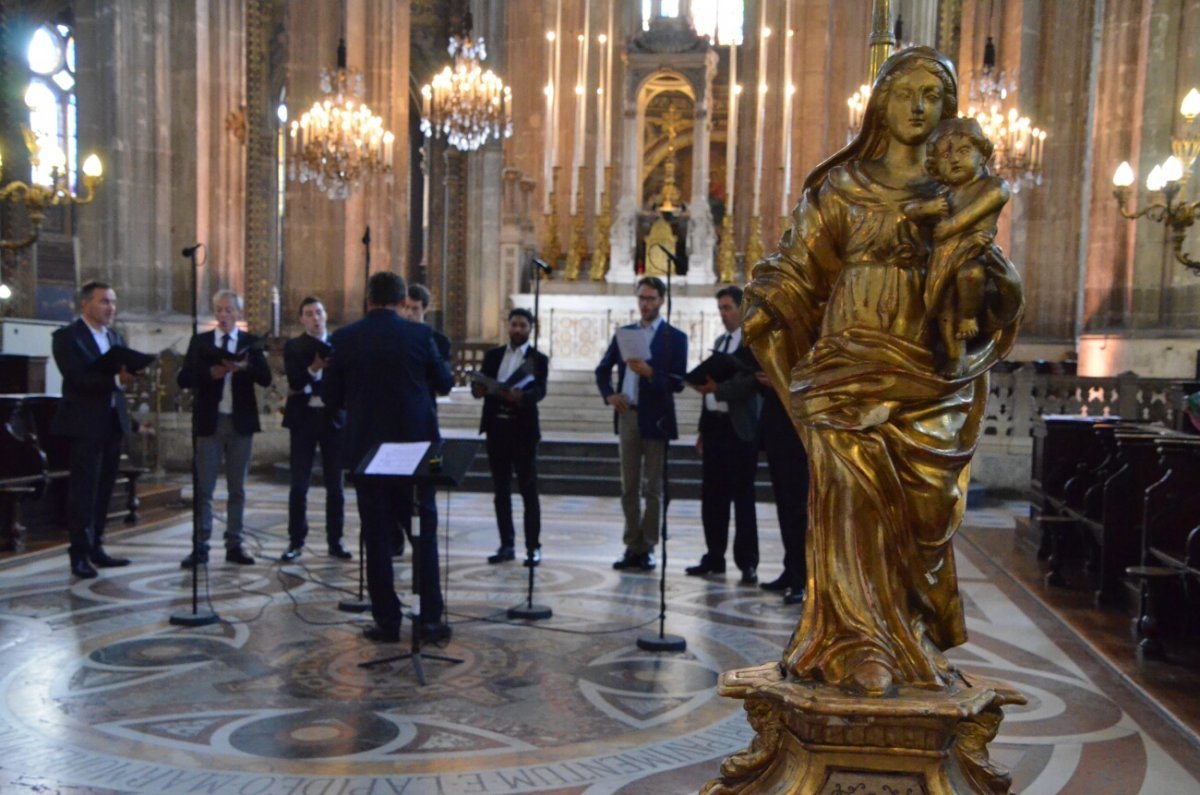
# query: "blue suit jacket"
{"type": "Point", "coordinates": [381, 372]}
{"type": "Point", "coordinates": [656, 396]}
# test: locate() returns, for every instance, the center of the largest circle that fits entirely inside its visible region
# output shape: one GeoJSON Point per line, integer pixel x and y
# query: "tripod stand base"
{"type": "Point", "coordinates": [530, 612]}
{"type": "Point", "coordinates": [353, 606]}
{"type": "Point", "coordinates": [194, 619]}
{"type": "Point", "coordinates": [661, 643]}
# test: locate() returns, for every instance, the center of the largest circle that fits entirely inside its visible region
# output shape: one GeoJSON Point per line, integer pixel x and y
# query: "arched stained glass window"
{"type": "Point", "coordinates": [51, 100]}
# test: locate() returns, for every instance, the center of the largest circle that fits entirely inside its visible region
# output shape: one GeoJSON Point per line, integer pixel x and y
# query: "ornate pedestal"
{"type": "Point", "coordinates": [813, 738]}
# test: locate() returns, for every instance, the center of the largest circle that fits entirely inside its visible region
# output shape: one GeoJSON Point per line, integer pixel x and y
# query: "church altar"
{"type": "Point", "coordinates": [577, 319]}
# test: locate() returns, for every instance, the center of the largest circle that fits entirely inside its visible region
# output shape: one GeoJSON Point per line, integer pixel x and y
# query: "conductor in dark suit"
{"type": "Point", "coordinates": [510, 420]}
{"type": "Point", "coordinates": [311, 423]}
{"type": "Point", "coordinates": [728, 444]}
{"type": "Point", "coordinates": [381, 373]}
{"type": "Point", "coordinates": [222, 366]}
{"type": "Point", "coordinates": [93, 416]}
{"type": "Point", "coordinates": [644, 416]}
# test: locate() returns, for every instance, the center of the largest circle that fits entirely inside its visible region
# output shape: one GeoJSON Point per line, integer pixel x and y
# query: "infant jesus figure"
{"type": "Point", "coordinates": [956, 156]}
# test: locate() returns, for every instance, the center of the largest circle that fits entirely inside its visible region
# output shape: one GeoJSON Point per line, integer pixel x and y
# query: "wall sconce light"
{"type": "Point", "coordinates": [1165, 182]}
{"type": "Point", "coordinates": [37, 197]}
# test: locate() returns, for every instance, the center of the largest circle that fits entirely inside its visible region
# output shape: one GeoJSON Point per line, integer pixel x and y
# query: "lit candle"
{"type": "Point", "coordinates": [760, 122]}
{"type": "Point", "coordinates": [548, 149]}
{"type": "Point", "coordinates": [789, 89]}
{"type": "Point", "coordinates": [608, 89]}
{"type": "Point", "coordinates": [581, 103]}
{"type": "Point", "coordinates": [731, 130]}
{"type": "Point", "coordinates": [601, 98]}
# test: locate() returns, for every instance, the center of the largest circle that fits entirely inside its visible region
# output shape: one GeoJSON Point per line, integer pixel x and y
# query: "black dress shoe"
{"type": "Point", "coordinates": [630, 560]}
{"type": "Point", "coordinates": [795, 596]}
{"type": "Point", "coordinates": [238, 556]}
{"type": "Point", "coordinates": [435, 632]}
{"type": "Point", "coordinates": [704, 567]}
{"type": "Point", "coordinates": [338, 551]}
{"type": "Point", "coordinates": [292, 553]}
{"type": "Point", "coordinates": [533, 557]}
{"type": "Point", "coordinates": [190, 561]}
{"type": "Point", "coordinates": [82, 569]}
{"type": "Point", "coordinates": [779, 584]}
{"type": "Point", "coordinates": [503, 554]}
{"type": "Point", "coordinates": [380, 635]}
{"type": "Point", "coordinates": [647, 562]}
{"type": "Point", "coordinates": [103, 560]}
{"type": "Point", "coordinates": [749, 576]}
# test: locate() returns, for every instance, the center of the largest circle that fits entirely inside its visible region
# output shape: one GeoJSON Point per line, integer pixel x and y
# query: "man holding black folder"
{"type": "Point", "coordinates": [311, 423]}
{"type": "Point", "coordinates": [514, 380]}
{"type": "Point", "coordinates": [222, 366]}
{"type": "Point", "coordinates": [728, 444]}
{"type": "Point", "coordinates": [94, 417]}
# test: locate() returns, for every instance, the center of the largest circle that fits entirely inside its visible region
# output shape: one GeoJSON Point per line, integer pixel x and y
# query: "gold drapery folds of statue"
{"type": "Point", "coordinates": [837, 319]}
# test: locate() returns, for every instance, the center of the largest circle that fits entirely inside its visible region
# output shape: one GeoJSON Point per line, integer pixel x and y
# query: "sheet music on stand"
{"type": "Point", "coordinates": [396, 459]}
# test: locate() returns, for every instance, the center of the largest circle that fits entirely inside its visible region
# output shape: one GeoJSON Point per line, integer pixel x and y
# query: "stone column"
{"type": "Point", "coordinates": [702, 237]}
{"type": "Point", "coordinates": [260, 124]}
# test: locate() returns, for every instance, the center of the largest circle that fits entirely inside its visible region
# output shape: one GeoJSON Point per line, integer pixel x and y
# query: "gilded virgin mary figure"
{"type": "Point", "coordinates": [838, 321]}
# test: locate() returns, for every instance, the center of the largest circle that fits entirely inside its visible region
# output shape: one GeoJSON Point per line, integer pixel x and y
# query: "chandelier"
{"type": "Point", "coordinates": [339, 142]}
{"type": "Point", "coordinates": [51, 190]}
{"type": "Point", "coordinates": [465, 103]}
{"type": "Point", "coordinates": [1166, 180]}
{"type": "Point", "coordinates": [1019, 144]}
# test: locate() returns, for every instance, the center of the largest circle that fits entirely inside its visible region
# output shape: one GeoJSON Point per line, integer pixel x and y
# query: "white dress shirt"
{"type": "Point", "coordinates": [630, 383]}
{"type": "Point", "coordinates": [512, 361]}
{"type": "Point", "coordinates": [226, 404]}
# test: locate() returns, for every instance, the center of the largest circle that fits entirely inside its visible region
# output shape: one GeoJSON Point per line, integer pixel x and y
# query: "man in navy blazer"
{"type": "Point", "coordinates": [644, 406]}
{"type": "Point", "coordinates": [222, 366]}
{"type": "Point", "coordinates": [510, 420]}
{"type": "Point", "coordinates": [381, 373]}
{"type": "Point", "coordinates": [94, 417]}
{"type": "Point", "coordinates": [310, 423]}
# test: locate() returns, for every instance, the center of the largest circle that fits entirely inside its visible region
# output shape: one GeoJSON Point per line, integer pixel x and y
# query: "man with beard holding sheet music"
{"type": "Point", "coordinates": [511, 382]}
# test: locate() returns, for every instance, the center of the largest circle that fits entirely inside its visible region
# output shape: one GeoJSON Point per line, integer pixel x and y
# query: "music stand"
{"type": "Point", "coordinates": [444, 465]}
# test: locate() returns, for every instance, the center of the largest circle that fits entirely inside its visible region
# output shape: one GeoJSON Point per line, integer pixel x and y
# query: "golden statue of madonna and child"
{"type": "Point", "coordinates": [877, 322]}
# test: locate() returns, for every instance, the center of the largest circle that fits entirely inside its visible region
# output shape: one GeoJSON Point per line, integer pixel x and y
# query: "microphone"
{"type": "Point", "coordinates": [191, 250]}
{"type": "Point", "coordinates": [540, 264]}
{"type": "Point", "coordinates": [670, 255]}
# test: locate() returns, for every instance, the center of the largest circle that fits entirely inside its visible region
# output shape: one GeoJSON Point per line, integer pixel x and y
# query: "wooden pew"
{"type": "Point", "coordinates": [1170, 565]}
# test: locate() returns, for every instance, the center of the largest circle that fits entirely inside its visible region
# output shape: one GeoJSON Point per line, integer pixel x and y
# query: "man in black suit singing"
{"type": "Point", "coordinates": [381, 373]}
{"type": "Point", "coordinates": [222, 366]}
{"type": "Point", "coordinates": [510, 420]}
{"type": "Point", "coordinates": [728, 444]}
{"type": "Point", "coordinates": [93, 416]}
{"type": "Point", "coordinates": [310, 423]}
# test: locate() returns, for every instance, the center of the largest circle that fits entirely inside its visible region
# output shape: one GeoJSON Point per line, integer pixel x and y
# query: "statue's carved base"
{"type": "Point", "coordinates": [814, 738]}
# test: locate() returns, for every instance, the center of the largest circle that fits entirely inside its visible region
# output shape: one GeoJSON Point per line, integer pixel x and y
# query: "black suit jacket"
{"type": "Point", "coordinates": [524, 414]}
{"type": "Point", "coordinates": [194, 374]}
{"type": "Point", "coordinates": [88, 394]}
{"type": "Point", "coordinates": [298, 354]}
{"type": "Point", "coordinates": [381, 373]}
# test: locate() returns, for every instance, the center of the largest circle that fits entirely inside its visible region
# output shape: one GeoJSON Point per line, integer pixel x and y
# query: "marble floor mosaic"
{"type": "Point", "coordinates": [99, 693]}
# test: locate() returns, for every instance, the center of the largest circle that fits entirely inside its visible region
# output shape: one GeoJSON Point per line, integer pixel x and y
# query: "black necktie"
{"type": "Point", "coordinates": [725, 344]}
{"type": "Point", "coordinates": [224, 342]}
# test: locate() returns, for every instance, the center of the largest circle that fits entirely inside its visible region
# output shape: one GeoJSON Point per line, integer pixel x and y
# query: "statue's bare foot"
{"type": "Point", "coordinates": [872, 678]}
{"type": "Point", "coordinates": [967, 329]}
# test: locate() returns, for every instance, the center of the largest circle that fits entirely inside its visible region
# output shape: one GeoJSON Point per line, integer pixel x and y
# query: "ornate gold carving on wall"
{"type": "Point", "coordinates": [260, 168]}
{"type": "Point", "coordinates": [754, 244]}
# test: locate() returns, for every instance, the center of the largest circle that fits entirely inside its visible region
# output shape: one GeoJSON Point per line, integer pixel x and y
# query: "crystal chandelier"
{"type": "Point", "coordinates": [465, 103]}
{"type": "Point", "coordinates": [1019, 144]}
{"type": "Point", "coordinates": [339, 142]}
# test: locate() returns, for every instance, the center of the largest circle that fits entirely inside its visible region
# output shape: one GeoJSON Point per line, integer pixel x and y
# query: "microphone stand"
{"type": "Point", "coordinates": [529, 611]}
{"type": "Point", "coordinates": [361, 604]}
{"type": "Point", "coordinates": [662, 641]}
{"type": "Point", "coordinates": [195, 618]}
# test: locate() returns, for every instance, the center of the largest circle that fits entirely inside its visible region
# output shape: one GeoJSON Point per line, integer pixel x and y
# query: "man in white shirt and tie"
{"type": "Point", "coordinates": [728, 444]}
{"type": "Point", "coordinates": [93, 416]}
{"type": "Point", "coordinates": [222, 366]}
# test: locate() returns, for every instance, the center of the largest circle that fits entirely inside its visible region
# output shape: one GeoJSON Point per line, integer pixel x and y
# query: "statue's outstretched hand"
{"type": "Point", "coordinates": [756, 323]}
